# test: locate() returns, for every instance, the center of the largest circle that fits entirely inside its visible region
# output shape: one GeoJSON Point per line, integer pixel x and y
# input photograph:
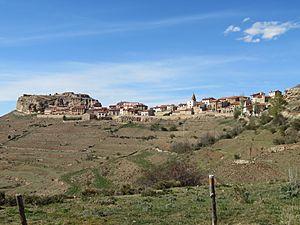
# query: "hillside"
{"type": "Point", "coordinates": [45, 149]}
{"type": "Point", "coordinates": [109, 168]}
{"type": "Point", "coordinates": [42, 155]}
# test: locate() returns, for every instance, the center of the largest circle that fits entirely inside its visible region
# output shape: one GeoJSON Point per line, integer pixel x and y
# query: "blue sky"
{"type": "Point", "coordinates": [158, 51]}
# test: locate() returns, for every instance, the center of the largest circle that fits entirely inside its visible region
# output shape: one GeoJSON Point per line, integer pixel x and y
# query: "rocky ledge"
{"type": "Point", "coordinates": [36, 104]}
{"type": "Point", "coordinates": [292, 96]}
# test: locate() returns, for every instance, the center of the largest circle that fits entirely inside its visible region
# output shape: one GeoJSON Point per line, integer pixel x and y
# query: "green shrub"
{"type": "Point", "coordinates": [296, 124]}
{"type": "Point", "coordinates": [236, 131]}
{"type": "Point", "coordinates": [265, 118]}
{"type": "Point", "coordinates": [241, 194]}
{"type": "Point", "coordinates": [252, 124]}
{"type": "Point", "coordinates": [277, 105]}
{"type": "Point", "coordinates": [237, 156]}
{"type": "Point", "coordinates": [90, 192]}
{"type": "Point", "coordinates": [108, 192]}
{"type": "Point", "coordinates": [89, 157]}
{"type": "Point", "coordinates": [291, 190]}
{"type": "Point", "coordinates": [174, 173]}
{"type": "Point", "coordinates": [279, 141]}
{"type": "Point", "coordinates": [283, 128]}
{"type": "Point", "coordinates": [233, 132]}
{"type": "Point", "coordinates": [172, 136]}
{"type": "Point", "coordinates": [31, 199]}
{"type": "Point", "coordinates": [127, 189]}
{"type": "Point", "coordinates": [181, 147]}
{"type": "Point", "coordinates": [147, 138]}
{"type": "Point", "coordinates": [290, 140]}
{"type": "Point", "coordinates": [163, 129]}
{"type": "Point", "coordinates": [2, 198]}
{"type": "Point", "coordinates": [173, 128]}
{"type": "Point", "coordinates": [226, 135]}
{"type": "Point", "coordinates": [7, 200]}
{"type": "Point", "coordinates": [155, 127]}
{"type": "Point", "coordinates": [291, 135]}
{"type": "Point", "coordinates": [237, 113]}
{"type": "Point", "coordinates": [279, 120]}
{"type": "Point", "coordinates": [206, 140]}
{"type": "Point", "coordinates": [272, 130]}
{"type": "Point", "coordinates": [285, 140]}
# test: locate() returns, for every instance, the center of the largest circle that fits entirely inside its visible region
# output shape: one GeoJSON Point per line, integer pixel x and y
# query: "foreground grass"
{"type": "Point", "coordinates": [257, 204]}
{"type": "Point", "coordinates": [141, 160]}
{"type": "Point", "coordinates": [76, 188]}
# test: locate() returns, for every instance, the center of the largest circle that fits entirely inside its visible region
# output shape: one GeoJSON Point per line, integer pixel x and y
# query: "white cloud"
{"type": "Point", "coordinates": [258, 31]}
{"type": "Point", "coordinates": [246, 19]}
{"type": "Point", "coordinates": [249, 39]}
{"type": "Point", "coordinates": [232, 29]}
{"type": "Point", "coordinates": [267, 31]}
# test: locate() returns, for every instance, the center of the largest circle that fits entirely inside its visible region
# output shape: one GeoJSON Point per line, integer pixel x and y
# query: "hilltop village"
{"type": "Point", "coordinates": [82, 106]}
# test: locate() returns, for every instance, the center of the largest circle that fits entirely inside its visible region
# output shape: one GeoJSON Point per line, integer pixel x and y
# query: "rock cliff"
{"type": "Point", "coordinates": [292, 96]}
{"type": "Point", "coordinates": [38, 103]}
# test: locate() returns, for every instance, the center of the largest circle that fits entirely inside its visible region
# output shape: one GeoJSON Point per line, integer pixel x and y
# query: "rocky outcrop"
{"type": "Point", "coordinates": [36, 104]}
{"type": "Point", "coordinates": [292, 97]}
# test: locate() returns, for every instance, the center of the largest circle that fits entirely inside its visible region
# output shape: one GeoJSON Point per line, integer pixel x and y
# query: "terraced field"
{"type": "Point", "coordinates": [97, 167]}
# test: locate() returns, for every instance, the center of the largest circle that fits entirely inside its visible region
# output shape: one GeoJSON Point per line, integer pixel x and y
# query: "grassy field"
{"type": "Point", "coordinates": [250, 204]}
{"type": "Point", "coordinates": [97, 167]}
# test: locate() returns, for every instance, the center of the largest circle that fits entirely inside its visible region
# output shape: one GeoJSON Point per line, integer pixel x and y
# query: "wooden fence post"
{"type": "Point", "coordinates": [20, 203]}
{"type": "Point", "coordinates": [213, 199]}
